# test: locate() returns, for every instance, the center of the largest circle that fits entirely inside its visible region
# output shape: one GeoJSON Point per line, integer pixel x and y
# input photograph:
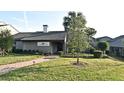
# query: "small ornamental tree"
{"type": "Point", "coordinates": [103, 46]}
{"type": "Point", "coordinates": [77, 40]}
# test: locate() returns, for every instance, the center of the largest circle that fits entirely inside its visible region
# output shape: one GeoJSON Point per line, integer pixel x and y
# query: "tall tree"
{"type": "Point", "coordinates": [6, 41]}
{"type": "Point", "coordinates": [66, 24]}
{"type": "Point", "coordinates": [77, 37]}
{"type": "Point", "coordinates": [90, 31]}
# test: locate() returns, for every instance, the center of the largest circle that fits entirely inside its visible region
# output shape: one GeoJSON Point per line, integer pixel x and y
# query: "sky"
{"type": "Point", "coordinates": [29, 21]}
{"type": "Point", "coordinates": [106, 16]}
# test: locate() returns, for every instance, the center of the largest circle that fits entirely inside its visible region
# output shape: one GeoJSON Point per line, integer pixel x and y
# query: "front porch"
{"type": "Point", "coordinates": [57, 46]}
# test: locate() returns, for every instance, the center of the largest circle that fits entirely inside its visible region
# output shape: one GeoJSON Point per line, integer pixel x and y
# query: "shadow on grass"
{"type": "Point", "coordinates": [115, 58]}
{"type": "Point", "coordinates": [86, 57]}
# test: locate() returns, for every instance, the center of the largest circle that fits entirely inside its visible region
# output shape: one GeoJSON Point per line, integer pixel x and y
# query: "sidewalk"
{"type": "Point", "coordinates": [9, 67]}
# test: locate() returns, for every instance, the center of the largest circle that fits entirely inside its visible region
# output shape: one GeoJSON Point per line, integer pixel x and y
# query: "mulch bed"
{"type": "Point", "coordinates": [80, 64]}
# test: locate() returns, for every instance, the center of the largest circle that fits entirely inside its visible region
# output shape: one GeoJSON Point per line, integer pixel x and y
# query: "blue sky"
{"type": "Point", "coordinates": [33, 21]}
{"type": "Point", "coordinates": [108, 21]}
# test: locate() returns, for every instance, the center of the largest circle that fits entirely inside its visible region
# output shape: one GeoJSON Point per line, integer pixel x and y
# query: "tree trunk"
{"type": "Point", "coordinates": [103, 53]}
{"type": "Point", "coordinates": [2, 52]}
{"type": "Point", "coordinates": [77, 58]}
{"type": "Point", "coordinates": [88, 46]}
{"type": "Point", "coordinates": [78, 49]}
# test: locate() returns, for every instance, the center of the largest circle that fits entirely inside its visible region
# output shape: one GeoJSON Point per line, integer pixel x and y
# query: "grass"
{"type": "Point", "coordinates": [61, 69]}
{"type": "Point", "coordinates": [13, 58]}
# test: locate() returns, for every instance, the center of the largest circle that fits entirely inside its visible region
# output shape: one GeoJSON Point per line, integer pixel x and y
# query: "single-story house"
{"type": "Point", "coordinates": [117, 46]}
{"type": "Point", "coordinates": [44, 41]}
{"type": "Point", "coordinates": [54, 41]}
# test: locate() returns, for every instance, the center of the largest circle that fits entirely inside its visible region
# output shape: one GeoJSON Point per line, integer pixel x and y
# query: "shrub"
{"type": "Point", "coordinates": [61, 53]}
{"type": "Point", "coordinates": [92, 51]}
{"type": "Point", "coordinates": [41, 52]}
{"type": "Point", "coordinates": [17, 50]}
{"type": "Point", "coordinates": [29, 51]}
{"type": "Point", "coordinates": [97, 54]}
{"type": "Point", "coordinates": [25, 51]}
{"type": "Point", "coordinates": [103, 46]}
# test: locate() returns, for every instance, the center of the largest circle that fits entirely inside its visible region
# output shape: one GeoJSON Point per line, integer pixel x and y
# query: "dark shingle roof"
{"type": "Point", "coordinates": [51, 35]}
{"type": "Point", "coordinates": [103, 37]}
{"type": "Point", "coordinates": [108, 39]}
{"type": "Point", "coordinates": [119, 37]}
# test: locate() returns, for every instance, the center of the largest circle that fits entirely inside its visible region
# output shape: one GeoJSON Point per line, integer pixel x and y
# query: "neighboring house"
{"type": "Point", "coordinates": [102, 39]}
{"type": "Point", "coordinates": [44, 41]}
{"type": "Point", "coordinates": [117, 46]}
{"type": "Point", "coordinates": [105, 38]}
{"type": "Point", "coordinates": [12, 29]}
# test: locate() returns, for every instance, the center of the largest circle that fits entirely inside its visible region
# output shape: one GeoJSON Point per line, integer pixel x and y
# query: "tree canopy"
{"type": "Point", "coordinates": [6, 41]}
{"type": "Point", "coordinates": [77, 38]}
{"type": "Point", "coordinates": [74, 24]}
{"type": "Point", "coordinates": [103, 46]}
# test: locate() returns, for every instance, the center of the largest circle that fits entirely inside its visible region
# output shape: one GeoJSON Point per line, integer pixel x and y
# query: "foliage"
{"type": "Point", "coordinates": [6, 41]}
{"type": "Point", "coordinates": [20, 51]}
{"type": "Point", "coordinates": [61, 53]}
{"type": "Point", "coordinates": [90, 33]}
{"type": "Point", "coordinates": [76, 36]}
{"type": "Point", "coordinates": [103, 46]}
{"type": "Point", "coordinates": [97, 54]}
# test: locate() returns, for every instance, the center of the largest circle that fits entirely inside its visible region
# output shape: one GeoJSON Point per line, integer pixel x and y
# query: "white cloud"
{"type": "Point", "coordinates": [26, 21]}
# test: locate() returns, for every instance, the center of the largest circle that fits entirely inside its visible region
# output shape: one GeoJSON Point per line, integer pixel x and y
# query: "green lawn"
{"type": "Point", "coordinates": [13, 58]}
{"type": "Point", "coordinates": [63, 69]}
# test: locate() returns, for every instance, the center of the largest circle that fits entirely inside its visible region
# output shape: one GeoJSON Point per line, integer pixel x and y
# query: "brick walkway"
{"type": "Point", "coordinates": [9, 67]}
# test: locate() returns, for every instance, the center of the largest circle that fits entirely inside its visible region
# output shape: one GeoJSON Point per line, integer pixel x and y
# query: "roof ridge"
{"type": "Point", "coordinates": [119, 36]}
{"type": "Point", "coordinates": [104, 37]}
{"type": "Point", "coordinates": [37, 35]}
{"type": "Point", "coordinates": [41, 32]}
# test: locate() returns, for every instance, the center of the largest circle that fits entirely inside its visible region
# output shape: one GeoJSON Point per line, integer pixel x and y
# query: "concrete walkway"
{"type": "Point", "coordinates": [9, 67]}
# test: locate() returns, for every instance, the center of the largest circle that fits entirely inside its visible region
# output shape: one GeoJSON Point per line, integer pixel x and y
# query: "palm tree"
{"type": "Point", "coordinates": [66, 27]}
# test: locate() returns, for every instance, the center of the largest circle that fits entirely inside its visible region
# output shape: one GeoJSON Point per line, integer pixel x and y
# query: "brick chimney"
{"type": "Point", "coordinates": [45, 28]}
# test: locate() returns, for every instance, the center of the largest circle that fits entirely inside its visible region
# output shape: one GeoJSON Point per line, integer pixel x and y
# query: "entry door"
{"type": "Point", "coordinates": [59, 47]}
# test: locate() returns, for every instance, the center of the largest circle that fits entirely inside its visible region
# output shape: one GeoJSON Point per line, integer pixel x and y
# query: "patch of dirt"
{"type": "Point", "coordinates": [80, 64]}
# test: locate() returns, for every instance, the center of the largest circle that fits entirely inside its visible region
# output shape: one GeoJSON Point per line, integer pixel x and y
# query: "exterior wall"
{"type": "Point", "coordinates": [13, 31]}
{"type": "Point", "coordinates": [117, 47]}
{"type": "Point", "coordinates": [117, 51]}
{"type": "Point", "coordinates": [19, 45]}
{"type": "Point", "coordinates": [33, 46]}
